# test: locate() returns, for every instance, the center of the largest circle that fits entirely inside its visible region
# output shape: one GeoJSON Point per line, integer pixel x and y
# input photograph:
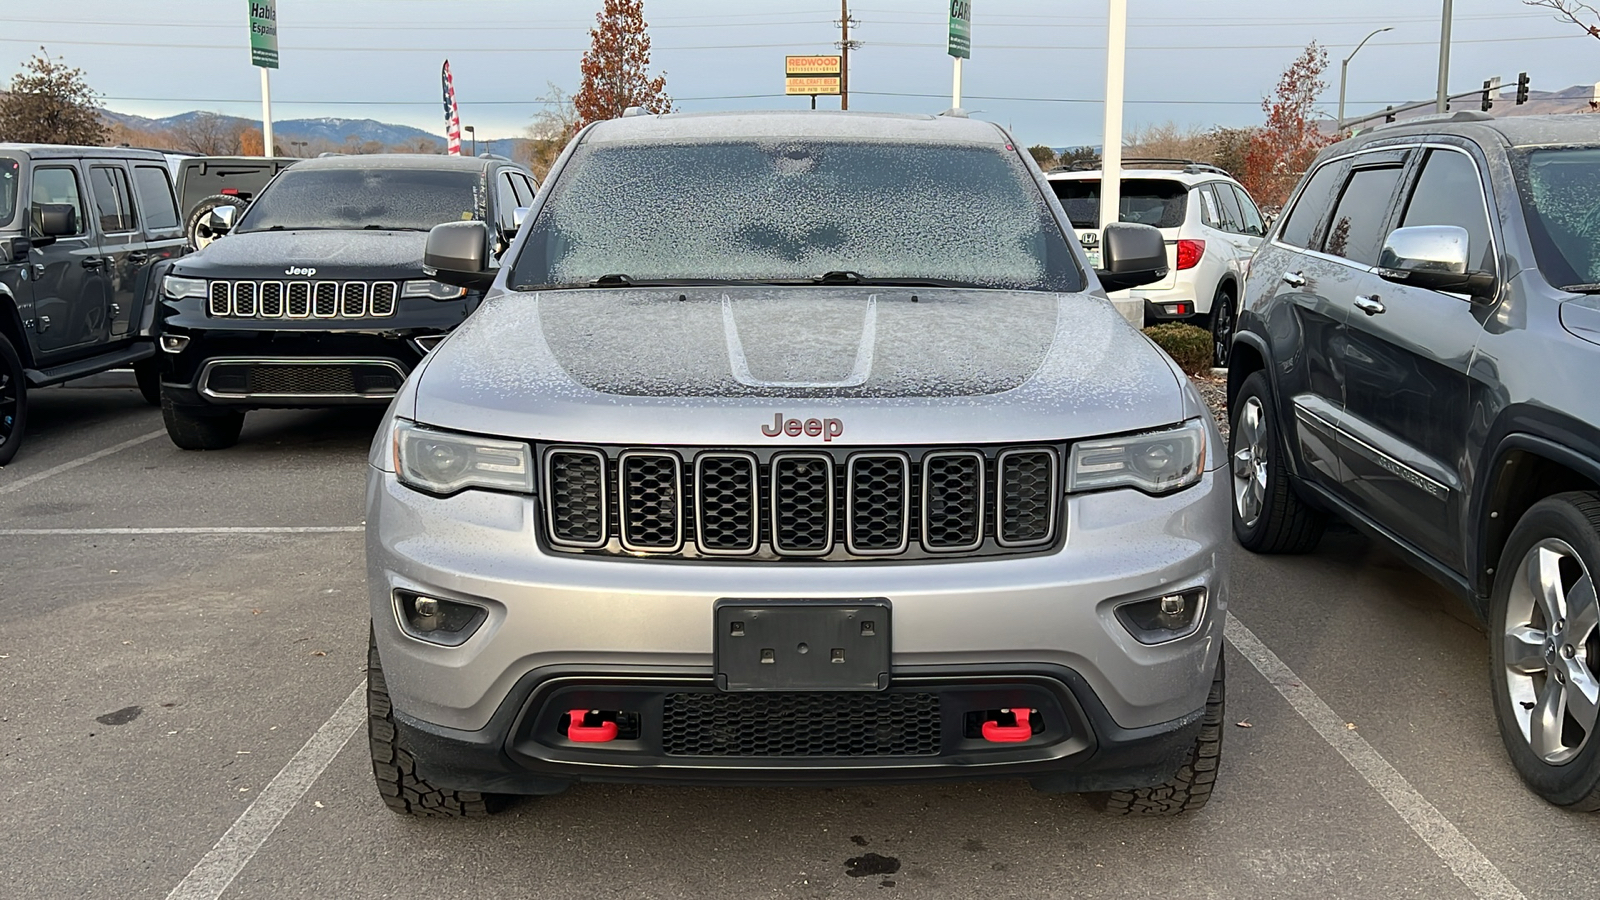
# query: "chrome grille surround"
{"type": "Point", "coordinates": [650, 501]}
{"type": "Point", "coordinates": [852, 504]}
{"type": "Point", "coordinates": [302, 299]}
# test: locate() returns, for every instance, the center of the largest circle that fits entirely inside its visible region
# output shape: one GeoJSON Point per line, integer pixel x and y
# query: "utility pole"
{"type": "Point", "coordinates": [1443, 103]}
{"type": "Point", "coordinates": [845, 46]}
{"type": "Point", "coordinates": [1111, 151]}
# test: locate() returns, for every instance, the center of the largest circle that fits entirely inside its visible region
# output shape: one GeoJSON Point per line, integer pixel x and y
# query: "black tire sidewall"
{"type": "Point", "coordinates": [191, 222]}
{"type": "Point", "coordinates": [1255, 386]}
{"type": "Point", "coordinates": [1222, 311]}
{"type": "Point", "coordinates": [1579, 780]}
{"type": "Point", "coordinates": [12, 364]}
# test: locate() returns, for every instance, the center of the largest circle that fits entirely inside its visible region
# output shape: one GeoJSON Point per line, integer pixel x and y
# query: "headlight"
{"type": "Point", "coordinates": [1157, 462]}
{"type": "Point", "coordinates": [442, 463]}
{"type": "Point", "coordinates": [433, 290]}
{"type": "Point", "coordinates": [177, 288]}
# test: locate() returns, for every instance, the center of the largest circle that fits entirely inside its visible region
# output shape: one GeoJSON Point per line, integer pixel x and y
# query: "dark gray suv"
{"type": "Point", "coordinates": [1416, 356]}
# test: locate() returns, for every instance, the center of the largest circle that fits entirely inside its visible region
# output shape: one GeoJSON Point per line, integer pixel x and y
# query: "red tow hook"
{"type": "Point", "coordinates": [996, 733]}
{"type": "Point", "coordinates": [589, 734]}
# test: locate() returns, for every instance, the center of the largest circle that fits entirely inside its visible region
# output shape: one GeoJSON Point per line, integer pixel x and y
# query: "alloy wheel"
{"type": "Point", "coordinates": [1250, 462]}
{"type": "Point", "coordinates": [1551, 636]}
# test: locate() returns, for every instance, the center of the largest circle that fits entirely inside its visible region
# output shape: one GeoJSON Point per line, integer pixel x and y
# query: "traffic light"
{"type": "Point", "coordinates": [1522, 88]}
{"type": "Point", "coordinates": [1488, 96]}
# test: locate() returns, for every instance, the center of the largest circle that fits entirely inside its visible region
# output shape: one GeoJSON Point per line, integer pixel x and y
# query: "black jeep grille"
{"type": "Point", "coordinates": [827, 504]}
{"type": "Point", "coordinates": [301, 299]}
{"type": "Point", "coordinates": [803, 724]}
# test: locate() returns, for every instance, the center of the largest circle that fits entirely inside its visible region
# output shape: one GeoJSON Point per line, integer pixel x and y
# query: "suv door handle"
{"type": "Point", "coordinates": [1294, 279]}
{"type": "Point", "coordinates": [1372, 306]}
{"type": "Point", "coordinates": [93, 262]}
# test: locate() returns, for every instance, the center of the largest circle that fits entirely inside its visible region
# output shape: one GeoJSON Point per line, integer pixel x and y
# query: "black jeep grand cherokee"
{"type": "Point", "coordinates": [317, 296]}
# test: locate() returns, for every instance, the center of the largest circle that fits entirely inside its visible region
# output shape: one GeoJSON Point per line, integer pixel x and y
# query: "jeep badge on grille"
{"type": "Point", "coordinates": [296, 270]}
{"type": "Point", "coordinates": [827, 429]}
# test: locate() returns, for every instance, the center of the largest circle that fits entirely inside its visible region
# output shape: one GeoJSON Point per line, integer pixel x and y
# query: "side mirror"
{"type": "Point", "coordinates": [57, 220]}
{"type": "Point", "coordinates": [518, 216]}
{"type": "Point", "coordinates": [1433, 257]}
{"type": "Point", "coordinates": [221, 218]}
{"type": "Point", "coordinates": [457, 253]}
{"type": "Point", "coordinates": [15, 250]}
{"type": "Point", "coordinates": [1133, 255]}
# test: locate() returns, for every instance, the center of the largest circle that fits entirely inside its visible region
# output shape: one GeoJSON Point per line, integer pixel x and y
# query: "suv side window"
{"type": "Point", "coordinates": [1450, 193]}
{"type": "Point", "coordinates": [1231, 214]}
{"type": "Point", "coordinates": [1253, 223]}
{"type": "Point", "coordinates": [505, 199]}
{"type": "Point", "coordinates": [57, 185]}
{"type": "Point", "coordinates": [1300, 226]}
{"type": "Point", "coordinates": [1356, 230]}
{"type": "Point", "coordinates": [113, 198]}
{"type": "Point", "coordinates": [154, 191]}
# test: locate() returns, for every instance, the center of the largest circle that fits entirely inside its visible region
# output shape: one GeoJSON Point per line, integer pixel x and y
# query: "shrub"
{"type": "Point", "coordinates": [1189, 347]}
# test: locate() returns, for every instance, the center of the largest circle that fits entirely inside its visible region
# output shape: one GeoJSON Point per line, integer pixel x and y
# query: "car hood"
{"type": "Point", "coordinates": [707, 366]}
{"type": "Point", "coordinates": [333, 254]}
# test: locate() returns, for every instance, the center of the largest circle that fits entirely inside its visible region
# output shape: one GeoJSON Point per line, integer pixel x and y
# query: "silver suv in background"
{"type": "Point", "coordinates": [755, 466]}
{"type": "Point", "coordinates": [1211, 226]}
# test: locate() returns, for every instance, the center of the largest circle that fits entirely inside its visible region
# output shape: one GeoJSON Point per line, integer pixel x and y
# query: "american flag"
{"type": "Point", "coordinates": [452, 113]}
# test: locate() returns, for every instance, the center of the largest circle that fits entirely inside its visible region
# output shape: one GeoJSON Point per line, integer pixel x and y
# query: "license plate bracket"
{"type": "Point", "coordinates": [788, 645]}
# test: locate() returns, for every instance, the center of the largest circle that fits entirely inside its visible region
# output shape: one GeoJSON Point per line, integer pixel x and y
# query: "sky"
{"type": "Point", "coordinates": [1037, 66]}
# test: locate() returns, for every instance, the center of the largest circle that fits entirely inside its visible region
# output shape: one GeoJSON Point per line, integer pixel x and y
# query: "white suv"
{"type": "Point", "coordinates": [1211, 225]}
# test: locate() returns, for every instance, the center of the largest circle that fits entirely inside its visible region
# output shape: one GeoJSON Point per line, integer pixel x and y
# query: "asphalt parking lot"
{"type": "Point", "coordinates": [182, 646]}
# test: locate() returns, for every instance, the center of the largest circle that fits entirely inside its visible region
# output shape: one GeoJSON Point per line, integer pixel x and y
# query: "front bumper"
{"type": "Point", "coordinates": [1037, 632]}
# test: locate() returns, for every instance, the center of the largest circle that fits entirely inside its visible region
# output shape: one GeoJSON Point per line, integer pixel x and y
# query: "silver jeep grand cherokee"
{"type": "Point", "coordinates": [795, 449]}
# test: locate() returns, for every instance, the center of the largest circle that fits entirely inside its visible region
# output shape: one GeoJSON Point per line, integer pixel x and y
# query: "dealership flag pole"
{"type": "Point", "coordinates": [1111, 151]}
{"type": "Point", "coordinates": [264, 55]}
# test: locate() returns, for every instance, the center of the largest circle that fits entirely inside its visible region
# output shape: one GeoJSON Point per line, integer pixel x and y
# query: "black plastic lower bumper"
{"type": "Point", "coordinates": [233, 370]}
{"type": "Point", "coordinates": [1074, 747]}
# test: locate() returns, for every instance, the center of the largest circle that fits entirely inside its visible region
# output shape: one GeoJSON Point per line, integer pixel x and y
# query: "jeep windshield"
{"type": "Point", "coordinates": [795, 211]}
{"type": "Point", "coordinates": [9, 169]}
{"type": "Point", "coordinates": [386, 199]}
{"type": "Point", "coordinates": [1561, 197]}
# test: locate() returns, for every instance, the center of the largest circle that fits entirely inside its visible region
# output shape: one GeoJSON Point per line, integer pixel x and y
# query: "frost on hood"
{"type": "Point", "coordinates": [795, 209]}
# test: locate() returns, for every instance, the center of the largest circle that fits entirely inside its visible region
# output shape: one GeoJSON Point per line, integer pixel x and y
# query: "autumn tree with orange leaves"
{"type": "Point", "coordinates": [1279, 152]}
{"type": "Point", "coordinates": [615, 68]}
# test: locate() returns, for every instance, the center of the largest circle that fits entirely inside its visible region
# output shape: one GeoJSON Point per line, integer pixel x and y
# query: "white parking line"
{"type": "Point", "coordinates": [21, 483]}
{"type": "Point", "coordinates": [217, 869]}
{"type": "Point", "coordinates": [221, 529]}
{"type": "Point", "coordinates": [1450, 845]}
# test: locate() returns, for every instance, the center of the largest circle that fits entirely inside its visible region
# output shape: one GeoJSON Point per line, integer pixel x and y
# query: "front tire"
{"type": "Point", "coordinates": [1190, 789]}
{"type": "Point", "coordinates": [13, 401]}
{"type": "Point", "coordinates": [1268, 516]}
{"type": "Point", "coordinates": [395, 769]}
{"type": "Point", "coordinates": [1544, 649]}
{"type": "Point", "coordinates": [1222, 320]}
{"type": "Point", "coordinates": [200, 428]}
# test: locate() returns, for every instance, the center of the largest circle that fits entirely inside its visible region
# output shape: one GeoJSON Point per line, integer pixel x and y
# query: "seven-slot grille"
{"type": "Point", "coordinates": [302, 299]}
{"type": "Point", "coordinates": [864, 504]}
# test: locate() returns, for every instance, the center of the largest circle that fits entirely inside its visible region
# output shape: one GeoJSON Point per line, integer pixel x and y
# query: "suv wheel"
{"type": "Point", "coordinates": [200, 428]}
{"type": "Point", "coordinates": [13, 401]}
{"type": "Point", "coordinates": [1544, 649]}
{"type": "Point", "coordinates": [1268, 517]}
{"type": "Point", "coordinates": [1222, 318]}
{"type": "Point", "coordinates": [1190, 789]}
{"type": "Point", "coordinates": [194, 226]}
{"type": "Point", "coordinates": [396, 770]}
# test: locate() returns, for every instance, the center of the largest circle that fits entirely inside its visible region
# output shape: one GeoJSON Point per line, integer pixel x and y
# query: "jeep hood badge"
{"type": "Point", "coordinates": [302, 271]}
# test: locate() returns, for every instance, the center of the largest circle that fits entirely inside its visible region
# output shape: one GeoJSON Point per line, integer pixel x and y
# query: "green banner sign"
{"type": "Point", "coordinates": [961, 28]}
{"type": "Point", "coordinates": [264, 33]}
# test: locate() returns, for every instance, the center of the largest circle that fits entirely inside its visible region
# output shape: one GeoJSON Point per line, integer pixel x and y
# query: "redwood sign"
{"type": "Point", "coordinates": [812, 75]}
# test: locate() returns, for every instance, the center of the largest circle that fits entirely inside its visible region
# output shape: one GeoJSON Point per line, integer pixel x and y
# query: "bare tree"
{"type": "Point", "coordinates": [211, 134]}
{"type": "Point", "coordinates": [1580, 14]}
{"type": "Point", "coordinates": [1168, 140]}
{"type": "Point", "coordinates": [50, 103]}
{"type": "Point", "coordinates": [1044, 156]}
{"type": "Point", "coordinates": [553, 126]}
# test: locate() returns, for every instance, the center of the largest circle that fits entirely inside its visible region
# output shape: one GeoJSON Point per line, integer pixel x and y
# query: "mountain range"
{"type": "Point", "coordinates": [336, 131]}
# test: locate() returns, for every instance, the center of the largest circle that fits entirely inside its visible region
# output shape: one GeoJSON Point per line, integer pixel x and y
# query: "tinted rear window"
{"type": "Point", "coordinates": [9, 172]}
{"type": "Point", "coordinates": [795, 209]}
{"type": "Point", "coordinates": [1147, 201]}
{"type": "Point", "coordinates": [1301, 225]}
{"type": "Point", "coordinates": [1356, 232]}
{"type": "Point", "coordinates": [390, 199]}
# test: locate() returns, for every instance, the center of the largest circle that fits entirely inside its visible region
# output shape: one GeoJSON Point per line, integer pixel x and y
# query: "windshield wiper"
{"type": "Point", "coordinates": [1581, 288]}
{"type": "Point", "coordinates": [846, 277]}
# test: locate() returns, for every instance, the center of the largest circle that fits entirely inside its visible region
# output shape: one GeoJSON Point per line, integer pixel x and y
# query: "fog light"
{"type": "Point", "coordinates": [174, 343]}
{"type": "Point", "coordinates": [437, 620]}
{"type": "Point", "coordinates": [1165, 618]}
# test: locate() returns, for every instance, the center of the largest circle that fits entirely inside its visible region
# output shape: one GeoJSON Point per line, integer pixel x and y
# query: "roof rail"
{"type": "Point", "coordinates": [1188, 167]}
{"type": "Point", "coordinates": [487, 155]}
{"type": "Point", "coordinates": [1464, 115]}
{"type": "Point", "coordinates": [955, 112]}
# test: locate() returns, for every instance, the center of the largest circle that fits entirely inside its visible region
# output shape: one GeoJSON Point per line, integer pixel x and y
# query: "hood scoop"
{"type": "Point", "coordinates": [800, 358]}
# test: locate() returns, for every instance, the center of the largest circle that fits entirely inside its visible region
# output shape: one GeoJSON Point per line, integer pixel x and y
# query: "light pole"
{"type": "Point", "coordinates": [1444, 60]}
{"type": "Point", "coordinates": [1344, 70]}
{"type": "Point", "coordinates": [469, 130]}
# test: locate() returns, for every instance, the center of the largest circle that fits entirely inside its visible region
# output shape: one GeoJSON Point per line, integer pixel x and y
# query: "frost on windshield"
{"type": "Point", "coordinates": [1565, 188]}
{"type": "Point", "coordinates": [350, 197]}
{"type": "Point", "coordinates": [796, 210]}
